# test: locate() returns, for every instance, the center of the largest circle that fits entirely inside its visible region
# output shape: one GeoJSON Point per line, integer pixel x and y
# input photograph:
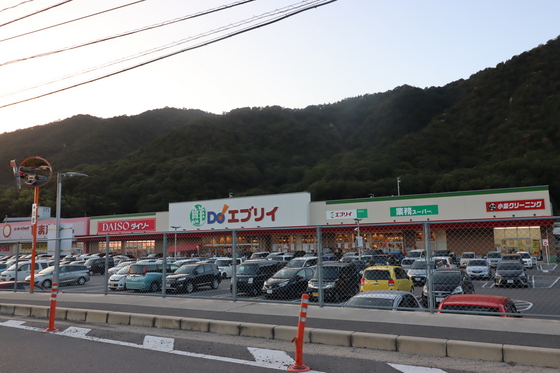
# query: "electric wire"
{"type": "Point", "coordinates": [35, 13]}
{"type": "Point", "coordinates": [128, 33]}
{"type": "Point", "coordinates": [15, 6]}
{"type": "Point", "coordinates": [72, 20]}
{"type": "Point", "coordinates": [314, 5]}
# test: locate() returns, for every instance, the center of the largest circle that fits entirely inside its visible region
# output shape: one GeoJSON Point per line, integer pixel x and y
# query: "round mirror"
{"type": "Point", "coordinates": [35, 172]}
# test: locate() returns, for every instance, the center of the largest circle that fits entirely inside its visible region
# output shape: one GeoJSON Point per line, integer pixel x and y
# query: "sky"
{"type": "Point", "coordinates": [342, 49]}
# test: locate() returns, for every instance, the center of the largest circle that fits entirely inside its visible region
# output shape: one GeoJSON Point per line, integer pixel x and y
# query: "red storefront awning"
{"type": "Point", "coordinates": [182, 248]}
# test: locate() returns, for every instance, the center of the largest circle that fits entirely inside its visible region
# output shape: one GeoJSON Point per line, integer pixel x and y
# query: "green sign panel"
{"type": "Point", "coordinates": [361, 213]}
{"type": "Point", "coordinates": [415, 210]}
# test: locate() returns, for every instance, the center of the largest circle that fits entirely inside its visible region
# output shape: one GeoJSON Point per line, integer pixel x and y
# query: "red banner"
{"type": "Point", "coordinates": [121, 226]}
{"type": "Point", "coordinates": [530, 204]}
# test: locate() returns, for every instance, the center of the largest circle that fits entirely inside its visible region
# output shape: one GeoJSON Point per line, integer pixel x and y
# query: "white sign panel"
{"type": "Point", "coordinates": [278, 210]}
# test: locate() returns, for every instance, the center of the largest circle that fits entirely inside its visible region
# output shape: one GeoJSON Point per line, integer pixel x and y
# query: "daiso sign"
{"type": "Point", "coordinates": [244, 212]}
{"type": "Point", "coordinates": [122, 226]}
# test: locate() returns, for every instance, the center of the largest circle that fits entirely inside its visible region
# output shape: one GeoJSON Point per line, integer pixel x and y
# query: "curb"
{"type": "Point", "coordinates": [524, 355]}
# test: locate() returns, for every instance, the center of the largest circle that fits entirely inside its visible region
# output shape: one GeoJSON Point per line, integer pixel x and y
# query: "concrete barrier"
{"type": "Point", "coordinates": [224, 327]}
{"type": "Point", "coordinates": [195, 325]}
{"type": "Point", "coordinates": [97, 317]}
{"type": "Point", "coordinates": [422, 346]}
{"type": "Point", "coordinates": [167, 322]}
{"type": "Point", "coordinates": [24, 311]}
{"type": "Point", "coordinates": [40, 312]}
{"type": "Point", "coordinates": [288, 333]}
{"type": "Point", "coordinates": [475, 350]}
{"type": "Point", "coordinates": [373, 341]}
{"type": "Point", "coordinates": [331, 337]}
{"type": "Point", "coordinates": [256, 330]}
{"type": "Point", "coordinates": [76, 315]}
{"type": "Point", "coordinates": [536, 356]}
{"type": "Point", "coordinates": [118, 318]}
{"type": "Point", "coordinates": [7, 309]}
{"type": "Point", "coordinates": [142, 320]}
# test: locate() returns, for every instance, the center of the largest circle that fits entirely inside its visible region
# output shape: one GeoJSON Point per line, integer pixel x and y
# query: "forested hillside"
{"type": "Point", "coordinates": [497, 129]}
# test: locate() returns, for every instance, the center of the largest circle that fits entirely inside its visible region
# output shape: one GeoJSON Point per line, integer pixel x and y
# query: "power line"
{"type": "Point", "coordinates": [314, 5]}
{"type": "Point", "coordinates": [128, 33]}
{"type": "Point", "coordinates": [35, 13]}
{"type": "Point", "coordinates": [73, 20]}
{"type": "Point", "coordinates": [15, 6]}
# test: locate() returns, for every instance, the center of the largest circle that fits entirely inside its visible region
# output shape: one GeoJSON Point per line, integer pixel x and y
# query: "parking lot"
{"type": "Point", "coordinates": [540, 298]}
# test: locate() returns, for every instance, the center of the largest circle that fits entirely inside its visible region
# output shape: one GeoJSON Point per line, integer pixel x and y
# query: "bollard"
{"type": "Point", "coordinates": [52, 314]}
{"type": "Point", "coordinates": [299, 339]}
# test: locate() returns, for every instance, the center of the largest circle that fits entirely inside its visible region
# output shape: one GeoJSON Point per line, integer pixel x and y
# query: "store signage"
{"type": "Point", "coordinates": [128, 226]}
{"type": "Point", "coordinates": [415, 210]}
{"type": "Point", "coordinates": [347, 214]}
{"type": "Point", "coordinates": [4, 248]}
{"type": "Point", "coordinates": [529, 204]}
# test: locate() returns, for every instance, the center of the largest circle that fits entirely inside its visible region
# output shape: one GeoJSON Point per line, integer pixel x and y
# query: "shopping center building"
{"type": "Point", "coordinates": [507, 220]}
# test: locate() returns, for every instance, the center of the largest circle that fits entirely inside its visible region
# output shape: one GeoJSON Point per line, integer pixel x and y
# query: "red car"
{"type": "Point", "coordinates": [484, 304]}
{"type": "Point", "coordinates": [20, 286]}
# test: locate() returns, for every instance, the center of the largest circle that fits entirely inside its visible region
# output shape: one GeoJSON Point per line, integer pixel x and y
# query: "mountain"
{"type": "Point", "coordinates": [497, 129]}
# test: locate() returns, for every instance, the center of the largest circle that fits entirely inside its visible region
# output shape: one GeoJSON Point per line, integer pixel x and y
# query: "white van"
{"type": "Point", "coordinates": [22, 270]}
{"type": "Point", "coordinates": [225, 265]}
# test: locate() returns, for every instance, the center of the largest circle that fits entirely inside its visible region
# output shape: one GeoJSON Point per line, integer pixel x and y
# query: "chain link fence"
{"type": "Point", "coordinates": [499, 267]}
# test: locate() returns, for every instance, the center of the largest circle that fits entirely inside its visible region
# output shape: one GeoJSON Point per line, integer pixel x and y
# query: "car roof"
{"type": "Point", "coordinates": [478, 299]}
{"type": "Point", "coordinates": [386, 294]}
{"type": "Point", "coordinates": [381, 267]}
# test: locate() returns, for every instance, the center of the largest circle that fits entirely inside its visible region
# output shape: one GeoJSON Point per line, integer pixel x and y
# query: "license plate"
{"type": "Point", "coordinates": [510, 281]}
{"type": "Point", "coordinates": [418, 278]}
{"type": "Point", "coordinates": [438, 299]}
{"type": "Point", "coordinates": [167, 285]}
{"type": "Point", "coordinates": [269, 291]}
{"type": "Point", "coordinates": [315, 294]}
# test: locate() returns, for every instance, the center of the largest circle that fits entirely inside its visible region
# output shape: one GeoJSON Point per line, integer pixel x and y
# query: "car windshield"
{"type": "Point", "coordinates": [186, 269]}
{"type": "Point", "coordinates": [11, 268]}
{"type": "Point", "coordinates": [296, 263]}
{"type": "Point", "coordinates": [468, 255]}
{"type": "Point", "coordinates": [376, 274]}
{"type": "Point", "coordinates": [525, 255]}
{"type": "Point", "coordinates": [415, 254]}
{"type": "Point", "coordinates": [477, 262]}
{"type": "Point", "coordinates": [494, 255]}
{"type": "Point", "coordinates": [223, 262]}
{"type": "Point", "coordinates": [420, 264]}
{"type": "Point", "coordinates": [123, 270]}
{"type": "Point", "coordinates": [139, 269]}
{"type": "Point", "coordinates": [510, 266]}
{"type": "Point", "coordinates": [47, 271]}
{"type": "Point", "coordinates": [286, 273]}
{"type": "Point", "coordinates": [468, 308]}
{"type": "Point", "coordinates": [247, 269]}
{"type": "Point", "coordinates": [446, 277]}
{"type": "Point", "coordinates": [366, 302]}
{"type": "Point", "coordinates": [328, 273]}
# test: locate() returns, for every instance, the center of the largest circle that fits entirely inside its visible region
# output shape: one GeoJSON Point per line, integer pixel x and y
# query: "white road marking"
{"type": "Point", "coordinates": [415, 369]}
{"type": "Point", "coordinates": [266, 358]}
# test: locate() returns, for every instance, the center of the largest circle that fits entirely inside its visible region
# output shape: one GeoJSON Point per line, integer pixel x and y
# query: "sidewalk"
{"type": "Point", "coordinates": [523, 341]}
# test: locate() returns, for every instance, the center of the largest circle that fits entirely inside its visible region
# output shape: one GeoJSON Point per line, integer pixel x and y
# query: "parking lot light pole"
{"type": "Point", "coordinates": [59, 177]}
{"type": "Point", "coordinates": [359, 239]}
{"type": "Point", "coordinates": [175, 245]}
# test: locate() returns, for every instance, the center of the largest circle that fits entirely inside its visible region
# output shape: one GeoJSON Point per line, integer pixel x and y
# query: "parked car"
{"type": "Point", "coordinates": [360, 265]}
{"type": "Point", "coordinates": [407, 262]}
{"type": "Point", "coordinates": [148, 276]}
{"type": "Point", "coordinates": [384, 299]}
{"type": "Point", "coordinates": [444, 262]}
{"type": "Point", "coordinates": [3, 266]}
{"type": "Point", "coordinates": [491, 305]}
{"type": "Point", "coordinates": [447, 282]}
{"type": "Point", "coordinates": [465, 257]}
{"type": "Point", "coordinates": [379, 260]}
{"type": "Point", "coordinates": [510, 273]}
{"type": "Point", "coordinates": [527, 259]}
{"type": "Point", "coordinates": [339, 281]}
{"type": "Point", "coordinates": [416, 254]}
{"type": "Point", "coordinates": [304, 261]}
{"type": "Point", "coordinates": [385, 278]}
{"type": "Point", "coordinates": [514, 257]}
{"type": "Point", "coordinates": [97, 265]}
{"type": "Point", "coordinates": [259, 255]}
{"type": "Point", "coordinates": [225, 265]}
{"type": "Point", "coordinates": [252, 274]}
{"type": "Point", "coordinates": [281, 257]}
{"type": "Point", "coordinates": [479, 268]}
{"type": "Point", "coordinates": [19, 285]}
{"type": "Point", "coordinates": [417, 271]}
{"type": "Point", "coordinates": [67, 274]}
{"type": "Point", "coordinates": [21, 270]}
{"type": "Point", "coordinates": [118, 267]}
{"type": "Point", "coordinates": [396, 257]}
{"type": "Point", "coordinates": [288, 283]}
{"type": "Point", "coordinates": [494, 257]}
{"type": "Point", "coordinates": [190, 277]}
{"type": "Point", "coordinates": [117, 281]}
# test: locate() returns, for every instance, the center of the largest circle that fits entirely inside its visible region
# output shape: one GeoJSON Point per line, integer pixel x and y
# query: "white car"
{"type": "Point", "coordinates": [465, 257]}
{"type": "Point", "coordinates": [117, 281]}
{"type": "Point", "coordinates": [225, 265]}
{"type": "Point", "coordinates": [22, 270]}
{"type": "Point", "coordinates": [479, 268]}
{"type": "Point", "coordinates": [527, 259]}
{"type": "Point", "coordinates": [443, 262]}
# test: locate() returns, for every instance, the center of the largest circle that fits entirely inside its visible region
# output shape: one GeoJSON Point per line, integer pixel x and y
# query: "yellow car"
{"type": "Point", "coordinates": [385, 278]}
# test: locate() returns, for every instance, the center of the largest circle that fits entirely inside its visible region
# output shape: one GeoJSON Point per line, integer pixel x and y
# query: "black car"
{"type": "Point", "coordinates": [252, 274]}
{"type": "Point", "coordinates": [288, 283]}
{"type": "Point", "coordinates": [339, 281]}
{"type": "Point", "coordinates": [97, 265]}
{"type": "Point", "coordinates": [189, 277]}
{"type": "Point", "coordinates": [510, 273]}
{"type": "Point", "coordinates": [446, 282]}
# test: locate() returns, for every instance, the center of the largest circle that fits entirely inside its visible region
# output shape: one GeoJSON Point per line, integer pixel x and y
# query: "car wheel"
{"type": "Point", "coordinates": [224, 275]}
{"type": "Point", "coordinates": [154, 286]}
{"type": "Point", "coordinates": [255, 292]}
{"type": "Point", "coordinates": [81, 281]}
{"type": "Point", "coordinates": [189, 287]}
{"type": "Point", "coordinates": [47, 284]}
{"type": "Point", "coordinates": [215, 283]}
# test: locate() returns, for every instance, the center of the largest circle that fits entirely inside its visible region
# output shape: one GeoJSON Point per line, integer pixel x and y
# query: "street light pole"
{"type": "Point", "coordinates": [359, 239]}
{"type": "Point", "coordinates": [398, 186]}
{"type": "Point", "coordinates": [56, 270]}
{"type": "Point", "coordinates": [175, 245]}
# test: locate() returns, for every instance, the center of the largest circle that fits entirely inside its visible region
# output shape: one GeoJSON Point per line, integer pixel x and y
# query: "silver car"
{"type": "Point", "coordinates": [68, 274]}
{"type": "Point", "coordinates": [479, 268]}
